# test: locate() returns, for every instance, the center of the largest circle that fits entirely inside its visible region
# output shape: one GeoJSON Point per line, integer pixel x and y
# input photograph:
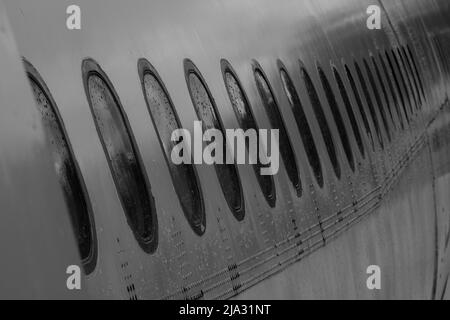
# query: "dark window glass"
{"type": "Point", "coordinates": [383, 90]}
{"type": "Point", "coordinates": [276, 121]}
{"type": "Point", "coordinates": [397, 85]}
{"type": "Point", "coordinates": [412, 78]}
{"type": "Point", "coordinates": [165, 120]}
{"type": "Point", "coordinates": [416, 70]}
{"type": "Point", "coordinates": [405, 80]}
{"type": "Point", "coordinates": [67, 171]}
{"type": "Point", "coordinates": [359, 104]}
{"type": "Point", "coordinates": [303, 126]}
{"type": "Point", "coordinates": [392, 90]}
{"type": "Point", "coordinates": [206, 111]}
{"type": "Point", "coordinates": [377, 100]}
{"type": "Point", "coordinates": [337, 117]}
{"type": "Point", "coordinates": [321, 119]}
{"type": "Point", "coordinates": [122, 155]}
{"type": "Point", "coordinates": [246, 120]}
{"type": "Point", "coordinates": [349, 109]}
{"type": "Point", "coordinates": [372, 114]}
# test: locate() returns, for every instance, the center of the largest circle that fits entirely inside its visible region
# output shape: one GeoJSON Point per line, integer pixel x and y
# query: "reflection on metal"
{"type": "Point", "coordinates": [67, 170]}
{"type": "Point", "coordinates": [122, 155]}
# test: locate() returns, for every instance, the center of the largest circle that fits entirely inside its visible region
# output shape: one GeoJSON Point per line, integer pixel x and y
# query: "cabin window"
{"type": "Point", "coordinates": [349, 109]}
{"type": "Point", "coordinates": [206, 111]}
{"type": "Point", "coordinates": [67, 170]}
{"type": "Point", "coordinates": [405, 81]}
{"type": "Point", "coordinates": [273, 113]}
{"type": "Point", "coordinates": [378, 101]}
{"type": "Point", "coordinates": [393, 93]}
{"type": "Point", "coordinates": [321, 119]}
{"type": "Point", "coordinates": [413, 75]}
{"type": "Point", "coordinates": [244, 115]}
{"type": "Point", "coordinates": [383, 90]}
{"type": "Point", "coordinates": [302, 125]}
{"type": "Point", "coordinates": [122, 155]}
{"type": "Point", "coordinates": [337, 117]}
{"type": "Point", "coordinates": [397, 85]}
{"type": "Point", "coordinates": [416, 69]}
{"type": "Point", "coordinates": [372, 113]}
{"type": "Point", "coordinates": [410, 73]}
{"type": "Point", "coordinates": [165, 121]}
{"type": "Point", "coordinates": [360, 105]}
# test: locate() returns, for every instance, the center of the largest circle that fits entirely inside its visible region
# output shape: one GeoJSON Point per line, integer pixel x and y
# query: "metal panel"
{"type": "Point", "coordinates": [37, 240]}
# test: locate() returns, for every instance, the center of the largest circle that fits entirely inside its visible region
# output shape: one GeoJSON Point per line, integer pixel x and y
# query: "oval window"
{"type": "Point", "coordinates": [410, 77]}
{"type": "Point", "coordinates": [243, 112]}
{"type": "Point", "coordinates": [383, 89]}
{"type": "Point", "coordinates": [413, 74]}
{"type": "Point", "coordinates": [321, 119]}
{"type": "Point", "coordinates": [206, 111]}
{"type": "Point", "coordinates": [416, 71]}
{"type": "Point", "coordinates": [397, 86]}
{"type": "Point", "coordinates": [302, 124]}
{"type": "Point", "coordinates": [337, 117]}
{"type": "Point", "coordinates": [122, 155]}
{"type": "Point", "coordinates": [276, 121]}
{"type": "Point", "coordinates": [360, 105]}
{"type": "Point", "coordinates": [166, 121]}
{"type": "Point", "coordinates": [67, 171]}
{"type": "Point", "coordinates": [404, 81]}
{"type": "Point", "coordinates": [393, 93]}
{"type": "Point", "coordinates": [377, 100]}
{"type": "Point", "coordinates": [370, 105]}
{"type": "Point", "coordinates": [349, 109]}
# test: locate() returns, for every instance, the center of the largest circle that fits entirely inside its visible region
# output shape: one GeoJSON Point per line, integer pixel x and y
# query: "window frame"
{"type": "Point", "coordinates": [294, 172]}
{"type": "Point", "coordinates": [337, 116]}
{"type": "Point", "coordinates": [191, 68]}
{"type": "Point", "coordinates": [320, 117]}
{"type": "Point", "coordinates": [318, 172]}
{"type": "Point", "coordinates": [91, 68]}
{"type": "Point", "coordinates": [146, 68]}
{"type": "Point", "coordinates": [90, 262]}
{"type": "Point", "coordinates": [349, 108]}
{"type": "Point", "coordinates": [226, 67]}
